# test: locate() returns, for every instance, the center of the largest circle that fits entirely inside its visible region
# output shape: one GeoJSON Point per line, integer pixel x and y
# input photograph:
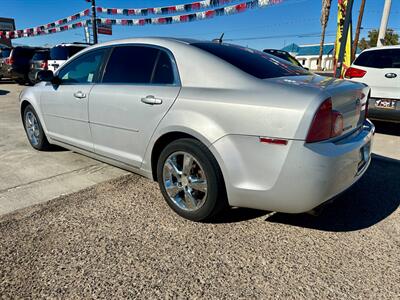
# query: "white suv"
{"type": "Point", "coordinates": [59, 54]}
{"type": "Point", "coordinates": [380, 69]}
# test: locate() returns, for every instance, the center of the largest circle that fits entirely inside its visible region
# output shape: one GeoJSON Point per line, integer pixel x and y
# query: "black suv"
{"type": "Point", "coordinates": [38, 62]}
{"type": "Point", "coordinates": [16, 66]}
{"type": "Point", "coordinates": [4, 54]}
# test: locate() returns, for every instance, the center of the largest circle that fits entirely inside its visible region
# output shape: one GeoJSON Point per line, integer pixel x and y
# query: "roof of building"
{"type": "Point", "coordinates": [304, 50]}
{"type": "Point", "coordinates": [310, 50]}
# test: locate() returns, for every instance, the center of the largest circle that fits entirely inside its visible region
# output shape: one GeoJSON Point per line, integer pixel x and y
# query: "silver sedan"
{"type": "Point", "coordinates": [215, 124]}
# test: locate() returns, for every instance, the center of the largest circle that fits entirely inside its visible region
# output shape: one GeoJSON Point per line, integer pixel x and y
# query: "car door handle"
{"type": "Point", "coordinates": [79, 95]}
{"type": "Point", "coordinates": [151, 100]}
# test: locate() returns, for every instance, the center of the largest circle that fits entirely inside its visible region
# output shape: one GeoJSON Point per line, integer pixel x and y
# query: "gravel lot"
{"type": "Point", "coordinates": [120, 239]}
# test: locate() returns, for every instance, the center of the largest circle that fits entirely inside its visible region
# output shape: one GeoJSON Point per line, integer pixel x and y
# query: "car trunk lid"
{"type": "Point", "coordinates": [348, 98]}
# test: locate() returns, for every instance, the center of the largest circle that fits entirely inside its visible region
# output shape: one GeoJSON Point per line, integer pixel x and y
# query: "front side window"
{"type": "Point", "coordinates": [83, 69]}
{"type": "Point", "coordinates": [138, 65]}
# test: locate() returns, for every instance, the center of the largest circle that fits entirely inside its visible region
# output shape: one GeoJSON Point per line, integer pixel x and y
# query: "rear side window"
{"type": "Point", "coordinates": [131, 64]}
{"type": "Point", "coordinates": [253, 62]}
{"type": "Point", "coordinates": [23, 52]}
{"type": "Point", "coordinates": [387, 58]}
{"type": "Point", "coordinates": [163, 73]}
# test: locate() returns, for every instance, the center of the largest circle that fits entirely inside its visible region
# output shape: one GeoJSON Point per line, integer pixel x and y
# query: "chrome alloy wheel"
{"type": "Point", "coordinates": [32, 128]}
{"type": "Point", "coordinates": [185, 181]}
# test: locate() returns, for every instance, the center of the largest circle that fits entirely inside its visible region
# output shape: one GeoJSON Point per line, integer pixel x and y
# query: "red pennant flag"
{"type": "Point", "coordinates": [196, 5]}
{"type": "Point", "coordinates": [114, 11]}
{"type": "Point", "coordinates": [171, 9]}
{"type": "Point", "coordinates": [161, 20]}
{"type": "Point", "coordinates": [124, 22]}
{"type": "Point", "coordinates": [131, 11]}
{"type": "Point", "coordinates": [210, 13]}
{"type": "Point", "coordinates": [241, 7]}
{"type": "Point", "coordinates": [184, 18]}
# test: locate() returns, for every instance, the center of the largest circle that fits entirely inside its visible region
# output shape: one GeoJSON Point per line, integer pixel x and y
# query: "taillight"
{"type": "Point", "coordinates": [9, 61]}
{"type": "Point", "coordinates": [354, 73]}
{"type": "Point", "coordinates": [44, 65]}
{"type": "Point", "coordinates": [327, 123]}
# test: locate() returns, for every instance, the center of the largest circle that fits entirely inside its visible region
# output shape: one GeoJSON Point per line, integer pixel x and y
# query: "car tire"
{"type": "Point", "coordinates": [34, 130]}
{"type": "Point", "coordinates": [200, 189]}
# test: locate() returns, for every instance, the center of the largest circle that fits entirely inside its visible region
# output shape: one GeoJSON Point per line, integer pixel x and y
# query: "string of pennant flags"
{"type": "Point", "coordinates": [188, 7]}
{"type": "Point", "coordinates": [46, 29]}
{"type": "Point", "coordinates": [61, 25]}
{"type": "Point", "coordinates": [223, 11]}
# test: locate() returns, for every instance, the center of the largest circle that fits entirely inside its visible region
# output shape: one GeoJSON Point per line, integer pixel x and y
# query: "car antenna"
{"type": "Point", "coordinates": [219, 41]}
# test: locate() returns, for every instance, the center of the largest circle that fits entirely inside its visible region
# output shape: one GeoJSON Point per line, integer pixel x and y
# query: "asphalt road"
{"type": "Point", "coordinates": [119, 239]}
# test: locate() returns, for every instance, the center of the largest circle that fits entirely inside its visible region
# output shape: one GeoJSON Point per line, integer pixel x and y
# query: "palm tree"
{"type": "Point", "coordinates": [326, 7]}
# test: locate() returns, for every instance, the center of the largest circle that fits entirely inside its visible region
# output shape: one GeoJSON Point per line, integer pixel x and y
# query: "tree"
{"type": "Point", "coordinates": [326, 8]}
{"type": "Point", "coordinates": [391, 38]}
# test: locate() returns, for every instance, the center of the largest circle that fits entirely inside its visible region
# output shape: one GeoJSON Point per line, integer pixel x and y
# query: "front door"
{"type": "Point", "coordinates": [139, 86]}
{"type": "Point", "coordinates": [65, 104]}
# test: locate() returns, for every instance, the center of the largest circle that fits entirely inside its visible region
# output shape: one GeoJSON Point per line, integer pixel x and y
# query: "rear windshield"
{"type": "Point", "coordinates": [253, 62]}
{"type": "Point", "coordinates": [5, 53]}
{"type": "Point", "coordinates": [284, 56]}
{"type": "Point", "coordinates": [387, 58]}
{"type": "Point", "coordinates": [44, 55]}
{"type": "Point", "coordinates": [64, 52]}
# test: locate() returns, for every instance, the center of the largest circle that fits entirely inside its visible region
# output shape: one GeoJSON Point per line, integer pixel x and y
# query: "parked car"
{"type": "Point", "coordinates": [284, 55]}
{"type": "Point", "coordinates": [38, 62]}
{"type": "Point", "coordinates": [59, 54]}
{"type": "Point", "coordinates": [215, 124]}
{"type": "Point", "coordinates": [16, 65]}
{"type": "Point", "coordinates": [380, 69]}
{"type": "Point", "coordinates": [4, 54]}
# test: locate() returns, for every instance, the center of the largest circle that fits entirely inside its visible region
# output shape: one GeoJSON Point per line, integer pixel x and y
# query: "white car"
{"type": "Point", "coordinates": [59, 54]}
{"type": "Point", "coordinates": [379, 68]}
{"type": "Point", "coordinates": [215, 124]}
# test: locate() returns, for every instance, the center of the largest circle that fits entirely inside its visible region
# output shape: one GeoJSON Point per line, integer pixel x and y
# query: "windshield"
{"type": "Point", "coordinates": [253, 62]}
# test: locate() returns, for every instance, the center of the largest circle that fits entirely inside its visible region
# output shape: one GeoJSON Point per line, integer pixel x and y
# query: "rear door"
{"type": "Point", "coordinates": [139, 85]}
{"type": "Point", "coordinates": [382, 68]}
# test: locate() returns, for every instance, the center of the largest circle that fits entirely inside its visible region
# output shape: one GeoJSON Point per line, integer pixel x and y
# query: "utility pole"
{"type": "Point", "coordinates": [357, 36]}
{"type": "Point", "coordinates": [343, 41]}
{"type": "Point", "coordinates": [384, 22]}
{"type": "Point", "coordinates": [94, 22]}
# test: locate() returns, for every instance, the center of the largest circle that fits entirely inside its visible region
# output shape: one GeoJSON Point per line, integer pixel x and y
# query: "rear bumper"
{"type": "Point", "coordinates": [294, 178]}
{"type": "Point", "coordinates": [384, 114]}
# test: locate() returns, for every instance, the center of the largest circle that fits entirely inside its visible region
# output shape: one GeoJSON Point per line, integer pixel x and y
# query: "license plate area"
{"type": "Point", "coordinates": [365, 154]}
{"type": "Point", "coordinates": [385, 103]}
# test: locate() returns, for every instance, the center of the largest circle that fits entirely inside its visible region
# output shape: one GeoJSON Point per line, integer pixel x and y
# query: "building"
{"type": "Point", "coordinates": [6, 24]}
{"type": "Point", "coordinates": [308, 55]}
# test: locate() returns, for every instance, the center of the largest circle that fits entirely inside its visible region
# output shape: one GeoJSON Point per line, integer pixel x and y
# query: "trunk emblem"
{"type": "Point", "coordinates": [390, 75]}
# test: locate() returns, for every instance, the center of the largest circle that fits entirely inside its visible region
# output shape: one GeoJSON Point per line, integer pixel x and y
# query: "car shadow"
{"type": "Point", "coordinates": [372, 199]}
{"type": "Point", "coordinates": [6, 81]}
{"type": "Point", "coordinates": [389, 128]}
{"type": "Point", "coordinates": [4, 92]}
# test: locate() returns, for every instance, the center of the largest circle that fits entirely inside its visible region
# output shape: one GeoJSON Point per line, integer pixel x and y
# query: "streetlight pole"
{"type": "Point", "coordinates": [94, 22]}
{"type": "Point", "coordinates": [384, 22]}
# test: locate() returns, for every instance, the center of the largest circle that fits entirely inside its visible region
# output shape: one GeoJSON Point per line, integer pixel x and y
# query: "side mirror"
{"type": "Point", "coordinates": [44, 75]}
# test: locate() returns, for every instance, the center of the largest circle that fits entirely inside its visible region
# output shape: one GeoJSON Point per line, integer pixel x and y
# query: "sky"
{"type": "Point", "coordinates": [292, 21]}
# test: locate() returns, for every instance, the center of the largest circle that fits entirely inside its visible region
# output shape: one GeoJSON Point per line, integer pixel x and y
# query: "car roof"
{"type": "Point", "coordinates": [382, 48]}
